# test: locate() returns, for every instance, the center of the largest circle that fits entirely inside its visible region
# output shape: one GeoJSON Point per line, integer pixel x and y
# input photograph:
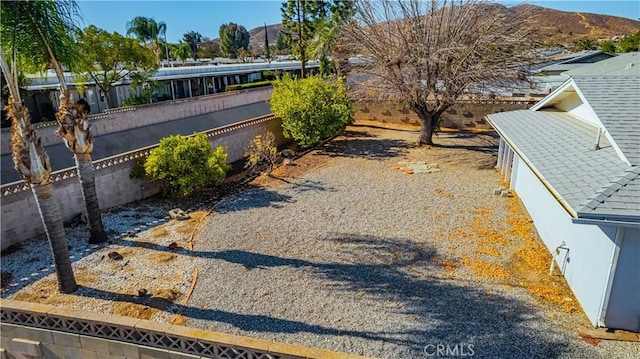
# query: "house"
{"type": "Point", "coordinates": [574, 161]}
{"type": "Point", "coordinates": [572, 61]}
{"type": "Point", "coordinates": [548, 76]}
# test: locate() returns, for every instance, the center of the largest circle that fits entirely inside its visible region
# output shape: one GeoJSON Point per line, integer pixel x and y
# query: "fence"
{"type": "Point", "coordinates": [37, 330]}
{"type": "Point", "coordinates": [20, 216]}
{"type": "Point", "coordinates": [125, 118]}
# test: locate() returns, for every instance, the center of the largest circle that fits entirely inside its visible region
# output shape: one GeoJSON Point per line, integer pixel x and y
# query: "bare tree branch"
{"type": "Point", "coordinates": [427, 54]}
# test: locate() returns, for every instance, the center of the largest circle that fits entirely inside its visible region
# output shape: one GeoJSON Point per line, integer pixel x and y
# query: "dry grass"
{"type": "Point", "coordinates": [442, 193]}
{"type": "Point", "coordinates": [161, 257]}
{"type": "Point", "coordinates": [531, 262]}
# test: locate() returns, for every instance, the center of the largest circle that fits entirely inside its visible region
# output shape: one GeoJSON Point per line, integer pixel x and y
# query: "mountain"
{"type": "Point", "coordinates": [547, 24]}
{"type": "Point", "coordinates": [565, 27]}
{"type": "Point", "coordinates": [256, 36]}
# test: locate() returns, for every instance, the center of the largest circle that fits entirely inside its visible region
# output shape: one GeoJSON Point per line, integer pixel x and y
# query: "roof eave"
{"type": "Point", "coordinates": [567, 207]}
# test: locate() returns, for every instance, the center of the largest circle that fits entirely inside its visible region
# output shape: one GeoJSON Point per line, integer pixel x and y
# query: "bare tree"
{"type": "Point", "coordinates": [426, 54]}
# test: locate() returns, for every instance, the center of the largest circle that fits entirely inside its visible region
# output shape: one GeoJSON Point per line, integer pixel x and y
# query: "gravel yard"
{"type": "Point", "coordinates": [342, 250]}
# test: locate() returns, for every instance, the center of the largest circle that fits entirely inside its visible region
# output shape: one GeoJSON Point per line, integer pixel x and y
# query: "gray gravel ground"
{"type": "Point", "coordinates": [349, 258]}
{"type": "Point", "coordinates": [353, 256]}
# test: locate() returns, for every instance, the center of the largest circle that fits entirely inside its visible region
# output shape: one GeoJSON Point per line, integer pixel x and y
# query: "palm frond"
{"type": "Point", "coordinates": [28, 26]}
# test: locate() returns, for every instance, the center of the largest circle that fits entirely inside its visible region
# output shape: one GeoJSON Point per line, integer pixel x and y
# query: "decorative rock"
{"type": "Point", "coordinates": [142, 292]}
{"type": "Point", "coordinates": [115, 256]}
{"type": "Point", "coordinates": [131, 234]}
{"type": "Point", "coordinates": [287, 153]}
{"type": "Point", "coordinates": [178, 214]}
{"type": "Point", "coordinates": [172, 246]}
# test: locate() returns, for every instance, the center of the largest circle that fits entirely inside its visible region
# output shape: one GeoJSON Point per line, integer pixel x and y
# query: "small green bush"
{"type": "Point", "coordinates": [138, 171]}
{"type": "Point", "coordinates": [186, 164]}
{"type": "Point", "coordinates": [311, 109]}
{"type": "Point", "coordinates": [247, 86]}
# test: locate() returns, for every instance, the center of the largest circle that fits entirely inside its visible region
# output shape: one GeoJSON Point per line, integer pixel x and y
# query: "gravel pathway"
{"type": "Point", "coordinates": [355, 256]}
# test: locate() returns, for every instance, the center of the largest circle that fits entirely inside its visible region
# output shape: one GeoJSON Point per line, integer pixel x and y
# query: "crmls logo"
{"type": "Point", "coordinates": [446, 350]}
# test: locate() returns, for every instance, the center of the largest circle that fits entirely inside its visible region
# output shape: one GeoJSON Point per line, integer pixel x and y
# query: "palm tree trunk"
{"type": "Point", "coordinates": [32, 162]}
{"type": "Point", "coordinates": [76, 133]}
{"type": "Point", "coordinates": [86, 175]}
{"type": "Point", "coordinates": [49, 208]}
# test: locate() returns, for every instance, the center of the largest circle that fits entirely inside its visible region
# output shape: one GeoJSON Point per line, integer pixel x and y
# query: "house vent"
{"type": "Point", "coordinates": [597, 147]}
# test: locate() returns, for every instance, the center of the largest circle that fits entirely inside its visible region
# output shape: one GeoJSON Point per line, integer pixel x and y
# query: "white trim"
{"type": "Point", "coordinates": [552, 95]}
{"type": "Point", "coordinates": [604, 303]}
{"type": "Point", "coordinates": [603, 127]}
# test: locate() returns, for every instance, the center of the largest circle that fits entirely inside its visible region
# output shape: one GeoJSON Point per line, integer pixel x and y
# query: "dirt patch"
{"type": "Point", "coordinates": [186, 227]}
{"type": "Point", "coordinates": [162, 257]}
{"type": "Point", "coordinates": [134, 310]}
{"type": "Point", "coordinates": [46, 291]}
{"type": "Point", "coordinates": [285, 172]}
{"type": "Point", "coordinates": [442, 193]}
{"type": "Point", "coordinates": [159, 232]}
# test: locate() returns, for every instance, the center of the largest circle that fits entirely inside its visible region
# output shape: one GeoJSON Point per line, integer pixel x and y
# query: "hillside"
{"type": "Point", "coordinates": [564, 27]}
{"type": "Point", "coordinates": [547, 24]}
{"type": "Point", "coordinates": [256, 36]}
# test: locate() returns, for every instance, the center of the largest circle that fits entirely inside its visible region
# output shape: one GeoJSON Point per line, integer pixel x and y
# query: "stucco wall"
{"type": "Point", "coordinates": [20, 216]}
{"type": "Point", "coordinates": [623, 309]}
{"type": "Point", "coordinates": [122, 119]}
{"type": "Point", "coordinates": [463, 115]}
{"type": "Point", "coordinates": [586, 263]}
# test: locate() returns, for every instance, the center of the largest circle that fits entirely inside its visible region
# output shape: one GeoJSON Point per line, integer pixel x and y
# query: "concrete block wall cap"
{"type": "Point", "coordinates": [151, 326]}
{"type": "Point", "coordinates": [24, 307]}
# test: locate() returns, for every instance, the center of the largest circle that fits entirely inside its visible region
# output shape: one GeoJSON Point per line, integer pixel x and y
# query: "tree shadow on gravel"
{"type": "Point", "coordinates": [447, 312]}
{"type": "Point", "coordinates": [255, 197]}
{"type": "Point", "coordinates": [489, 145]}
{"type": "Point", "coordinates": [365, 147]}
{"type": "Point", "coordinates": [247, 322]}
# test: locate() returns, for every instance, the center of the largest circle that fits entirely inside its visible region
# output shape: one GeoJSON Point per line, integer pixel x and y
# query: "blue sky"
{"type": "Point", "coordinates": [206, 17]}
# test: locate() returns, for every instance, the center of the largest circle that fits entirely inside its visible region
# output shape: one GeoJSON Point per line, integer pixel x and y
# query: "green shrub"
{"type": "Point", "coordinates": [247, 86]}
{"type": "Point", "coordinates": [186, 164]}
{"type": "Point", "coordinates": [311, 109]}
{"type": "Point", "coordinates": [134, 99]}
{"type": "Point", "coordinates": [138, 171]}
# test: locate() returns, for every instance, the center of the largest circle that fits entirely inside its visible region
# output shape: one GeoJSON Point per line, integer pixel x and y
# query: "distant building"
{"type": "Point", "coordinates": [174, 82]}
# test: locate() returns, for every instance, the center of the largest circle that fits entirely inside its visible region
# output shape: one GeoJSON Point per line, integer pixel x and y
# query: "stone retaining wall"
{"type": "Point", "coordinates": [20, 216]}
{"type": "Point", "coordinates": [31, 330]}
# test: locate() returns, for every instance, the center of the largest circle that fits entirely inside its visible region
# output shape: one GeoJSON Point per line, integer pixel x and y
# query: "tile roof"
{"type": "Point", "coordinates": [560, 149]}
{"type": "Point", "coordinates": [616, 102]}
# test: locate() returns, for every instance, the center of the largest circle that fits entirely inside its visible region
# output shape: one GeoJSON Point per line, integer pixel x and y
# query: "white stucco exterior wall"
{"type": "Point", "coordinates": [586, 265]}
{"type": "Point", "coordinates": [623, 309]}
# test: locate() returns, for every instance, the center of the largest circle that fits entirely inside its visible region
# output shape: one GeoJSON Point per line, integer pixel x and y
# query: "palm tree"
{"type": "Point", "coordinates": [193, 39]}
{"type": "Point", "coordinates": [147, 29]}
{"type": "Point", "coordinates": [327, 40]}
{"type": "Point", "coordinates": [323, 43]}
{"type": "Point", "coordinates": [32, 162]}
{"type": "Point", "coordinates": [585, 44]}
{"type": "Point", "coordinates": [46, 27]}
{"type": "Point", "coordinates": [181, 52]}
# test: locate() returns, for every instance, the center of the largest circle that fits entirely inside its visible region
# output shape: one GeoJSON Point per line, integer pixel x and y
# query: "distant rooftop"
{"type": "Point", "coordinates": [621, 65]}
